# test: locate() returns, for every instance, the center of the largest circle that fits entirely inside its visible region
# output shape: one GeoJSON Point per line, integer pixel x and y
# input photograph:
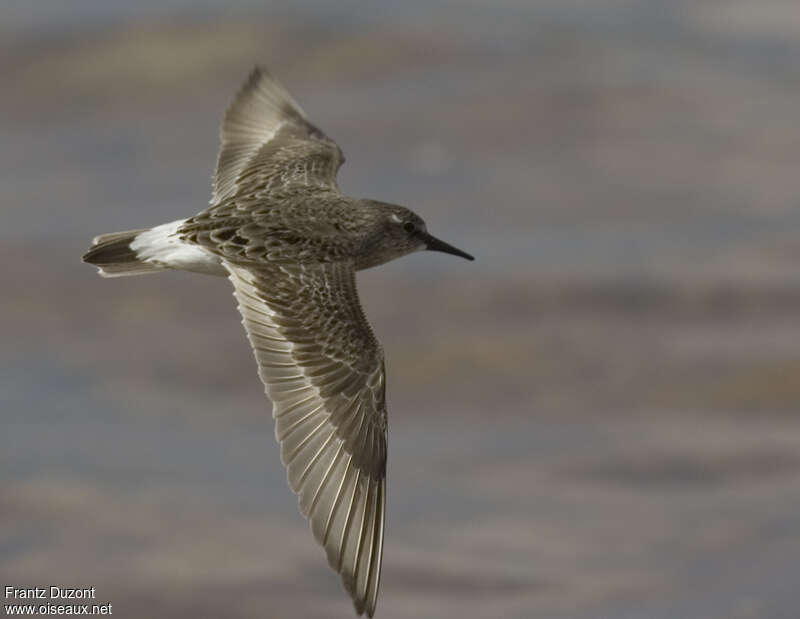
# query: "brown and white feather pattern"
{"type": "Point", "coordinates": [323, 369]}
{"type": "Point", "coordinates": [268, 143]}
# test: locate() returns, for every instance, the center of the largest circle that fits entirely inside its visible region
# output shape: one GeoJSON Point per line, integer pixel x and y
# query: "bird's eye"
{"type": "Point", "coordinates": [409, 227]}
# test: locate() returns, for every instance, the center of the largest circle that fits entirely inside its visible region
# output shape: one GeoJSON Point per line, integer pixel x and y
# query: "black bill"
{"type": "Point", "coordinates": [434, 244]}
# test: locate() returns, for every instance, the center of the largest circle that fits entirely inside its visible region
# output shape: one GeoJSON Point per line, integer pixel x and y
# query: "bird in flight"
{"type": "Point", "coordinates": [291, 243]}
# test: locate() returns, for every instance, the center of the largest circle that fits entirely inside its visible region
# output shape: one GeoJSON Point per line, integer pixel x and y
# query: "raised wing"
{"type": "Point", "coordinates": [267, 142]}
{"type": "Point", "coordinates": [323, 370]}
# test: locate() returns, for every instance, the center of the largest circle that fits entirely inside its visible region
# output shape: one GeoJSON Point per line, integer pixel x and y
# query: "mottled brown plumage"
{"type": "Point", "coordinates": [291, 243]}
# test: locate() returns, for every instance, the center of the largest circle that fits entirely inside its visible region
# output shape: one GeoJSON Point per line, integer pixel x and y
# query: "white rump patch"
{"type": "Point", "coordinates": [162, 246]}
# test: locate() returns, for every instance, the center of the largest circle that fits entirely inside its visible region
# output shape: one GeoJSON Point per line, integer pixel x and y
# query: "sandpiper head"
{"type": "Point", "coordinates": [405, 231]}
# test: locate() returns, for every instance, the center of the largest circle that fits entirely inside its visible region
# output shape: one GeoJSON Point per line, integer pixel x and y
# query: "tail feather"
{"type": "Point", "coordinates": [135, 252]}
{"type": "Point", "coordinates": [113, 255]}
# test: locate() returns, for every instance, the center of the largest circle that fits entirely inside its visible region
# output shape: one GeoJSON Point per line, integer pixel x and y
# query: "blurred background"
{"type": "Point", "coordinates": [597, 418]}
